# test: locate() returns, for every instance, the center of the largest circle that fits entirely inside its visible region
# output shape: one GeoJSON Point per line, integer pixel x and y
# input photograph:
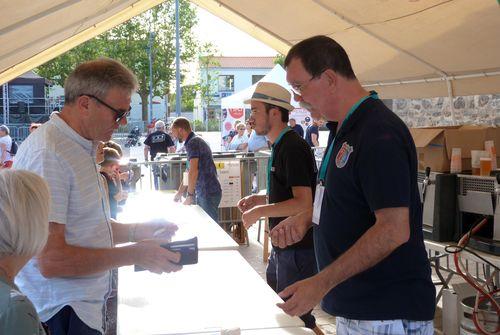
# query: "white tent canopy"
{"type": "Point", "coordinates": [277, 75]}
{"type": "Point", "coordinates": [400, 48]}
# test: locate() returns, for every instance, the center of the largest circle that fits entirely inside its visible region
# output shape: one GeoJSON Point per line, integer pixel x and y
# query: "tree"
{"type": "Point", "coordinates": [128, 43]}
{"type": "Point", "coordinates": [208, 77]}
{"type": "Point", "coordinates": [279, 59]}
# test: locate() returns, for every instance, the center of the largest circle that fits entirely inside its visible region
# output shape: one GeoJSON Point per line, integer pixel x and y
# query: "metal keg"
{"type": "Point", "coordinates": [487, 316]}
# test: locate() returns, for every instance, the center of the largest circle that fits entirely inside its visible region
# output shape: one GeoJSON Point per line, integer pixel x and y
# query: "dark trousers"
{"type": "Point", "coordinates": [66, 322]}
{"type": "Point", "coordinates": [210, 204]}
{"type": "Point", "coordinates": [286, 267]}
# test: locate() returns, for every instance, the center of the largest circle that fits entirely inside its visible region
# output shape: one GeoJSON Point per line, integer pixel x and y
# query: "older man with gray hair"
{"type": "Point", "coordinates": [70, 280]}
{"type": "Point", "coordinates": [157, 142]}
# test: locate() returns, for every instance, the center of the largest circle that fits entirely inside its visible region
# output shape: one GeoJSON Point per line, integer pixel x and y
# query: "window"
{"type": "Point", "coordinates": [256, 78]}
{"type": "Point", "coordinates": [226, 83]}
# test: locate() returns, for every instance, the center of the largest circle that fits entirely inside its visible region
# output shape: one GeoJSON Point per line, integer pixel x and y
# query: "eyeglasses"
{"type": "Point", "coordinates": [298, 88]}
{"type": "Point", "coordinates": [120, 113]}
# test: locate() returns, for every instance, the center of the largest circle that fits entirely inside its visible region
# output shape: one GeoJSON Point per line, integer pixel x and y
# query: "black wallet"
{"type": "Point", "coordinates": [188, 250]}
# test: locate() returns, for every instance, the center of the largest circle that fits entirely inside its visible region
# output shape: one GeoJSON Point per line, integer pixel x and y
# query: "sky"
{"type": "Point", "coordinates": [229, 40]}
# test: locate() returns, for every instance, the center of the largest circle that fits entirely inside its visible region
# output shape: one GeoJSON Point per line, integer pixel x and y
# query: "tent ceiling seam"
{"type": "Point", "coordinates": [77, 26]}
{"type": "Point", "coordinates": [381, 39]}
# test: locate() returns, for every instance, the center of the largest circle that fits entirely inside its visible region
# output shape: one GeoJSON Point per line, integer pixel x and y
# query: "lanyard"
{"type": "Point", "coordinates": [271, 159]}
{"type": "Point", "coordinates": [326, 160]}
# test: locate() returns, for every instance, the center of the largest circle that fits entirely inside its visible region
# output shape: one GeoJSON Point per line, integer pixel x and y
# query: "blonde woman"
{"type": "Point", "coordinates": [24, 227]}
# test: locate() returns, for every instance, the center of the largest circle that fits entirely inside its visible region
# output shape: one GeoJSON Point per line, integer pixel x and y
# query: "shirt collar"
{"type": "Point", "coordinates": [88, 145]}
{"type": "Point", "coordinates": [190, 136]}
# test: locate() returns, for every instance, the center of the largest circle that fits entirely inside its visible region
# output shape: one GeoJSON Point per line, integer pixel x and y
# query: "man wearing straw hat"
{"type": "Point", "coordinates": [291, 178]}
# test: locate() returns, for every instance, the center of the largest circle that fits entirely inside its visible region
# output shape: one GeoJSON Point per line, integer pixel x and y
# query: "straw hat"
{"type": "Point", "coordinates": [273, 94]}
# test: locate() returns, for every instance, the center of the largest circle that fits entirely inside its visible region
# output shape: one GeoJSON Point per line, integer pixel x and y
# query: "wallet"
{"type": "Point", "coordinates": [188, 250]}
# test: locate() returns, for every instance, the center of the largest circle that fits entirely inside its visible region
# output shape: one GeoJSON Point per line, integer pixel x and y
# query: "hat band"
{"type": "Point", "coordinates": [267, 97]}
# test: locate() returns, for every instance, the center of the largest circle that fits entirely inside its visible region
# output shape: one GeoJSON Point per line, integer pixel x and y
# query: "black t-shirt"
{"type": "Point", "coordinates": [158, 141]}
{"type": "Point", "coordinates": [373, 166]}
{"type": "Point", "coordinates": [293, 165]}
{"type": "Point", "coordinates": [312, 129]}
{"type": "Point", "coordinates": [298, 128]}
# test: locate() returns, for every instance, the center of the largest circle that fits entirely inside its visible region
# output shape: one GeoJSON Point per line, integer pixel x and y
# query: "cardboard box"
{"type": "Point", "coordinates": [434, 145]}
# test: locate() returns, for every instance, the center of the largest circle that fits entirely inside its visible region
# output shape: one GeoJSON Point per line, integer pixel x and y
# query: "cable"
{"type": "Point", "coordinates": [481, 295]}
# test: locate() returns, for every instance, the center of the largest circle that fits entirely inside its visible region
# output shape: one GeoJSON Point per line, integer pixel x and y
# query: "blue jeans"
{"type": "Point", "coordinates": [386, 327]}
{"type": "Point", "coordinates": [66, 322]}
{"type": "Point", "coordinates": [289, 266]}
{"type": "Point", "coordinates": [210, 204]}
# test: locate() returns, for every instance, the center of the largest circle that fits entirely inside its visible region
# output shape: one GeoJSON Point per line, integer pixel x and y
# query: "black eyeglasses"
{"type": "Point", "coordinates": [120, 113]}
{"type": "Point", "coordinates": [298, 88]}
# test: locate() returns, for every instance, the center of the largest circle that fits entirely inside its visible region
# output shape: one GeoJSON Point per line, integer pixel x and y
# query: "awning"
{"type": "Point", "coordinates": [401, 48]}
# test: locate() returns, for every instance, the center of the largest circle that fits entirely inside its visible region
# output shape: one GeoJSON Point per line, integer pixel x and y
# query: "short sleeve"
{"type": "Point", "coordinates": [299, 172]}
{"type": "Point", "coordinates": [48, 165]}
{"type": "Point", "coordinates": [147, 141]}
{"type": "Point", "coordinates": [384, 171]}
{"type": "Point", "coordinates": [168, 141]}
{"type": "Point", "coordinates": [194, 148]}
{"type": "Point", "coordinates": [20, 318]}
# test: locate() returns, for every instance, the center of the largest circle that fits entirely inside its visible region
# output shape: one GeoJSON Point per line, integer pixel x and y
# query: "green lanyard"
{"type": "Point", "coordinates": [271, 159]}
{"type": "Point", "coordinates": [326, 160]}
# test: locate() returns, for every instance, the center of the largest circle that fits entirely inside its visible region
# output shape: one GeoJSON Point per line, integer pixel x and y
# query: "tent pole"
{"type": "Point", "coordinates": [449, 85]}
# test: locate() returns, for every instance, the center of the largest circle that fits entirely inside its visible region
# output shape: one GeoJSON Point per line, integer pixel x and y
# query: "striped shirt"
{"type": "Point", "coordinates": [66, 161]}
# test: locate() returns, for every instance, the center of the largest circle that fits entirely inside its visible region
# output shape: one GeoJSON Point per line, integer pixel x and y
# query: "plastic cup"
{"type": "Point", "coordinates": [485, 166]}
{"type": "Point", "coordinates": [456, 160]}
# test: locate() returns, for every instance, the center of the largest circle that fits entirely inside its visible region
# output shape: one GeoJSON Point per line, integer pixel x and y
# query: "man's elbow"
{"type": "Point", "coordinates": [46, 268]}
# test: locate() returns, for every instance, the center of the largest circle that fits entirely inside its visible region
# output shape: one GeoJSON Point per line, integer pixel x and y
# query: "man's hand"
{"type": "Point", "coordinates": [291, 230]}
{"type": "Point", "coordinates": [302, 296]}
{"type": "Point", "coordinates": [249, 217]}
{"type": "Point", "coordinates": [178, 196]}
{"type": "Point", "coordinates": [250, 202]}
{"type": "Point", "coordinates": [188, 201]}
{"type": "Point", "coordinates": [151, 256]}
{"type": "Point", "coordinates": [155, 229]}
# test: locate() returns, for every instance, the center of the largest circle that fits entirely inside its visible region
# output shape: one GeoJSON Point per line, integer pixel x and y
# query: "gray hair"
{"type": "Point", "coordinates": [24, 213]}
{"type": "Point", "coordinates": [5, 129]}
{"type": "Point", "coordinates": [97, 77]}
{"type": "Point", "coordinates": [159, 124]}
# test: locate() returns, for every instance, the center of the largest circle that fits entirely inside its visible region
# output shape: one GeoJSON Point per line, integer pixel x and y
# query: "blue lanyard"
{"type": "Point", "coordinates": [326, 160]}
{"type": "Point", "coordinates": [271, 159]}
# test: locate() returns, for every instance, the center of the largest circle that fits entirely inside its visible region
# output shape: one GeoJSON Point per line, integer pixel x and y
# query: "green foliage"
{"type": "Point", "coordinates": [129, 43]}
{"type": "Point", "coordinates": [211, 125]}
{"type": "Point", "coordinates": [279, 59]}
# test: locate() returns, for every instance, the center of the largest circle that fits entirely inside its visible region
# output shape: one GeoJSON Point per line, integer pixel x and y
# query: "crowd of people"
{"type": "Point", "coordinates": [347, 236]}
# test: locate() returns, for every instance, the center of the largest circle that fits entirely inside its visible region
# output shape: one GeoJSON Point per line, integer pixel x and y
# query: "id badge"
{"type": "Point", "coordinates": [185, 178]}
{"type": "Point", "coordinates": [318, 200]}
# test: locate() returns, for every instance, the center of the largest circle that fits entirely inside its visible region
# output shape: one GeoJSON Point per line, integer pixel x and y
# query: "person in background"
{"type": "Point", "coordinates": [158, 142]}
{"type": "Point", "coordinates": [70, 280]}
{"type": "Point", "coordinates": [5, 147]}
{"type": "Point", "coordinates": [312, 134]}
{"type": "Point", "coordinates": [202, 185]}
{"type": "Point", "coordinates": [110, 169]}
{"type": "Point", "coordinates": [374, 276]}
{"type": "Point", "coordinates": [257, 142]}
{"type": "Point", "coordinates": [240, 141]}
{"type": "Point", "coordinates": [297, 127]}
{"type": "Point", "coordinates": [248, 127]}
{"type": "Point", "coordinates": [33, 127]}
{"type": "Point", "coordinates": [291, 183]}
{"type": "Point", "coordinates": [24, 227]}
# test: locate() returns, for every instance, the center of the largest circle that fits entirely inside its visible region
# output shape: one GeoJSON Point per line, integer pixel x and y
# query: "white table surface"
{"type": "Point", "coordinates": [221, 291]}
{"type": "Point", "coordinates": [191, 220]}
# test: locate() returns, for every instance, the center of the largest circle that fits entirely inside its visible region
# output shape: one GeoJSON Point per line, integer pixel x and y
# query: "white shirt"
{"type": "Point", "coordinates": [7, 140]}
{"type": "Point", "coordinates": [237, 140]}
{"type": "Point", "coordinates": [66, 161]}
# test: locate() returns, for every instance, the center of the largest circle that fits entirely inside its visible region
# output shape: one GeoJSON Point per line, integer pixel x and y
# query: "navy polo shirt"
{"type": "Point", "coordinates": [208, 182]}
{"type": "Point", "coordinates": [373, 166]}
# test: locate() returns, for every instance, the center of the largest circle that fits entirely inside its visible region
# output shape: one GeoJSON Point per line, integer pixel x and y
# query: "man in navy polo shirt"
{"type": "Point", "coordinates": [374, 272]}
{"type": "Point", "coordinates": [291, 182]}
{"type": "Point", "coordinates": [203, 186]}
